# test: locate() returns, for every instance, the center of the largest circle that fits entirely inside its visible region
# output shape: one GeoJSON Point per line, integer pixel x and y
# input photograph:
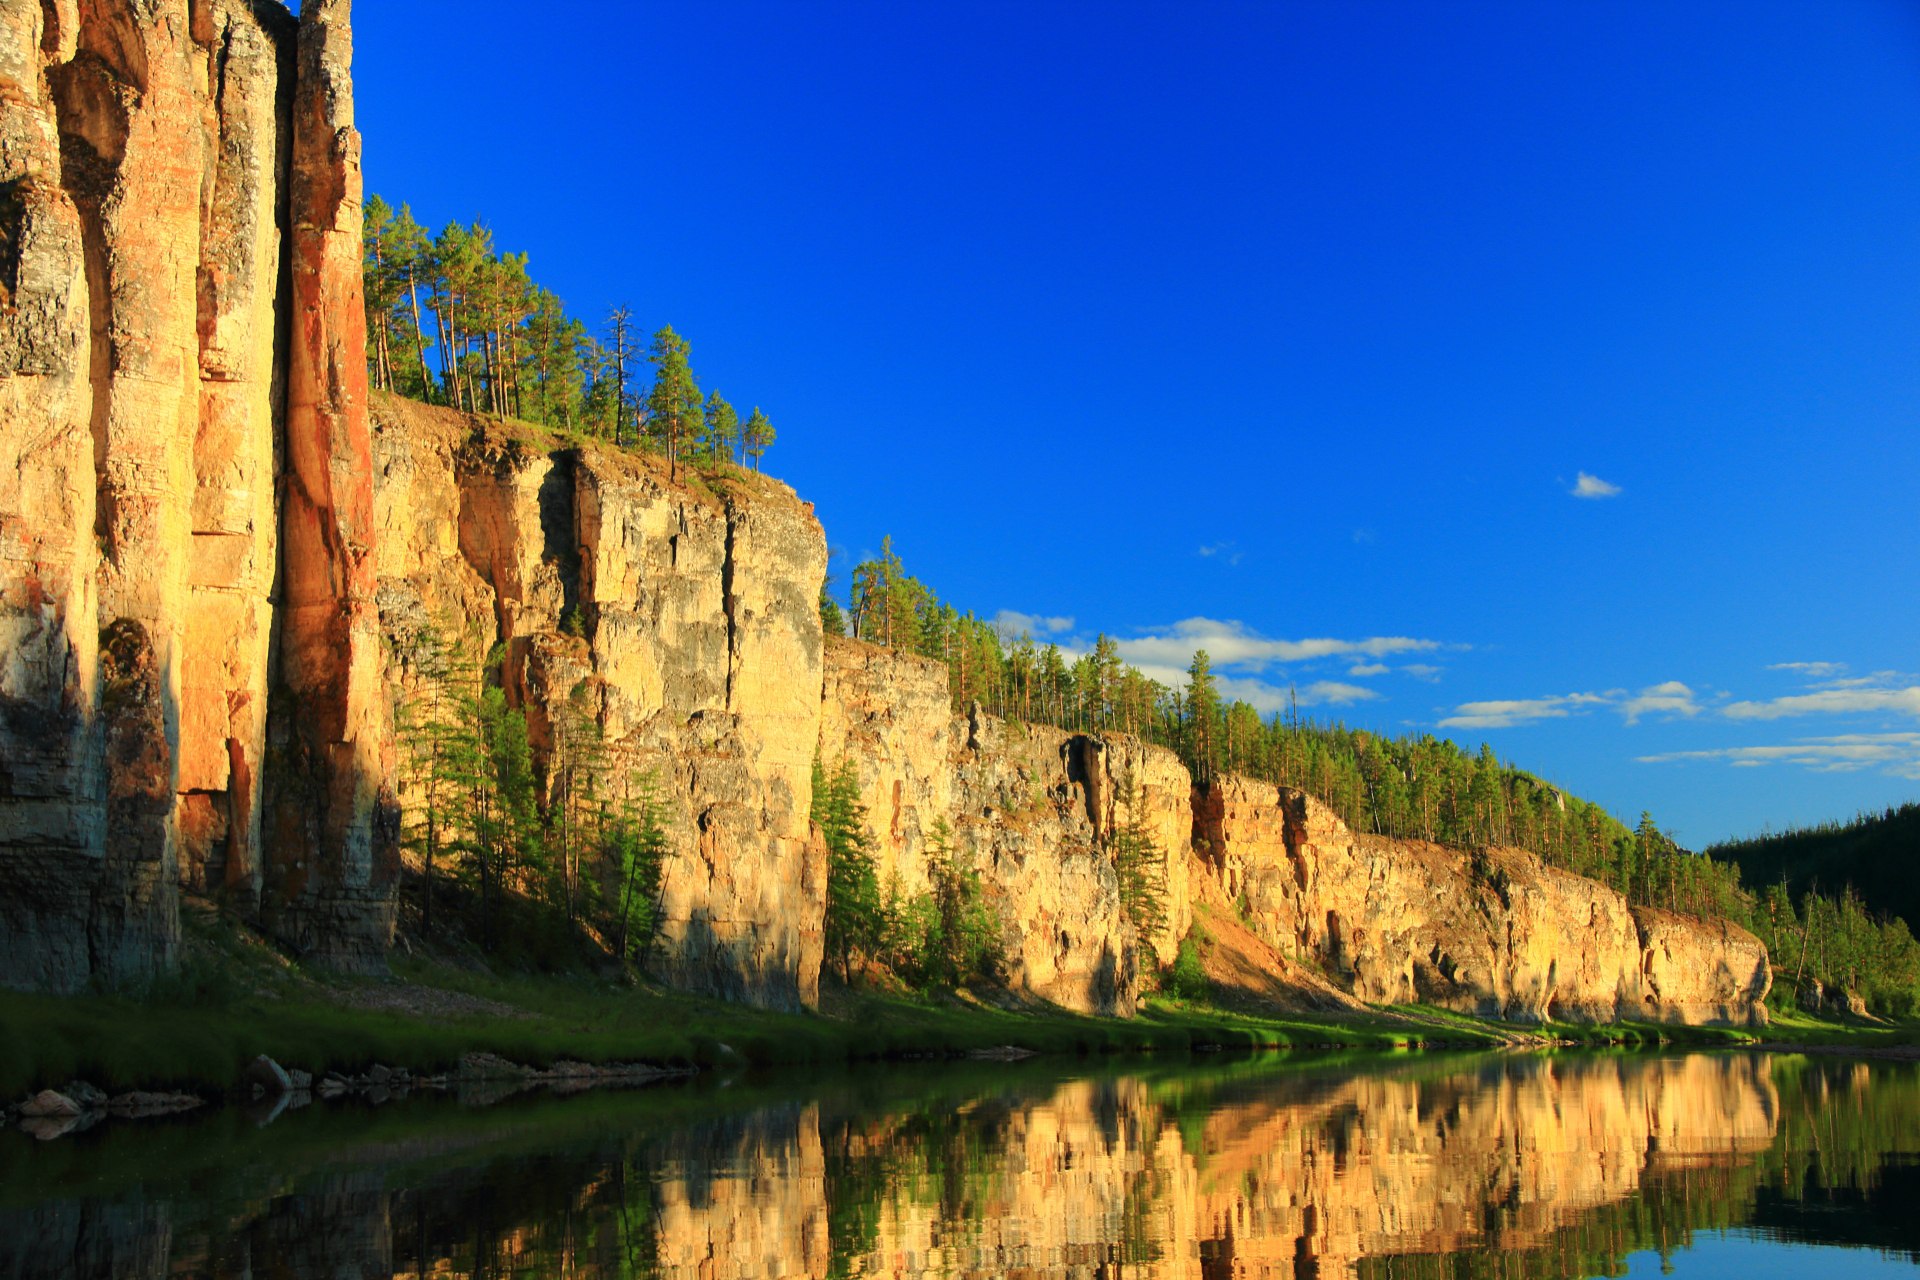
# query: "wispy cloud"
{"type": "Point", "coordinates": [1361, 670]}
{"type": "Point", "coordinates": [1227, 552]}
{"type": "Point", "coordinates": [1232, 644]}
{"type": "Point", "coordinates": [1506, 713]}
{"type": "Point", "coordinates": [1012, 624]}
{"type": "Point", "coordinates": [1811, 670]}
{"type": "Point", "coordinates": [1592, 486]}
{"type": "Point", "coordinates": [1423, 671]}
{"type": "Point", "coordinates": [1897, 754]}
{"type": "Point", "coordinates": [1837, 701]}
{"type": "Point", "coordinates": [1671, 698]}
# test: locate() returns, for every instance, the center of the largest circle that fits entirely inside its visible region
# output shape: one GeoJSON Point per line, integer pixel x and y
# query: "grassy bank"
{"type": "Point", "coordinates": [203, 1037]}
{"type": "Point", "coordinates": [120, 1042]}
{"type": "Point", "coordinates": [236, 998]}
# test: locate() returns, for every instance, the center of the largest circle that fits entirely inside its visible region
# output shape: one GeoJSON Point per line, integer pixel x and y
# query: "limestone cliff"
{"type": "Point", "coordinates": [179, 319]}
{"type": "Point", "coordinates": [1027, 807]}
{"type": "Point", "coordinates": [1389, 921]}
{"type": "Point", "coordinates": [682, 616]}
{"type": "Point", "coordinates": [1495, 933]}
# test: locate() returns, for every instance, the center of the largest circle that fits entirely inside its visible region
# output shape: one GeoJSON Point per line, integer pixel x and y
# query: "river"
{"type": "Point", "coordinates": [1578, 1164]}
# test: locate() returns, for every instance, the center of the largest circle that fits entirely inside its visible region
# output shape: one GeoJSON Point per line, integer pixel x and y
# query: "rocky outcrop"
{"type": "Point", "coordinates": [1494, 932]}
{"type": "Point", "coordinates": [334, 818]}
{"type": "Point", "coordinates": [1029, 808]}
{"type": "Point", "coordinates": [166, 169]}
{"type": "Point", "coordinates": [681, 619]}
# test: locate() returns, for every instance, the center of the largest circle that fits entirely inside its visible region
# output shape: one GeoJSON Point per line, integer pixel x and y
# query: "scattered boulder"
{"type": "Point", "coordinates": [268, 1078]}
{"type": "Point", "coordinates": [49, 1105]}
{"type": "Point", "coordinates": [490, 1066]}
{"type": "Point", "coordinates": [139, 1104]}
{"type": "Point", "coordinates": [89, 1098]}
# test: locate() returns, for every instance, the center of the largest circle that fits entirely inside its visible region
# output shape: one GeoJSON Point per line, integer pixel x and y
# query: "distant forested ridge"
{"type": "Point", "coordinates": [1876, 854]}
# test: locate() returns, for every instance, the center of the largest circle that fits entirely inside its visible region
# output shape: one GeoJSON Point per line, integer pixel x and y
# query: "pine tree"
{"type": "Point", "coordinates": [674, 408]}
{"type": "Point", "coordinates": [722, 429]}
{"type": "Point", "coordinates": [1140, 866]}
{"type": "Point", "coordinates": [757, 437]}
{"type": "Point", "coordinates": [855, 920]}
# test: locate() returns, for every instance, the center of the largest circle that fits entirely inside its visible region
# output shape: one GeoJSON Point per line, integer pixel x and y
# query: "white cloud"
{"type": "Point", "coordinates": [1590, 486]}
{"type": "Point", "coordinates": [1509, 712]}
{"type": "Point", "coordinates": [1811, 670]}
{"type": "Point", "coordinates": [1012, 624]}
{"type": "Point", "coordinates": [1362, 670]}
{"type": "Point", "coordinates": [1838, 701]}
{"type": "Point", "coordinates": [1232, 644]}
{"type": "Point", "coordinates": [1334, 693]}
{"type": "Point", "coordinates": [1897, 754]}
{"type": "Point", "coordinates": [1226, 551]}
{"type": "Point", "coordinates": [1423, 671]}
{"type": "Point", "coordinates": [1671, 698]}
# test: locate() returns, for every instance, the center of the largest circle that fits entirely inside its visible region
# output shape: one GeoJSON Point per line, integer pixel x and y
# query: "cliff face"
{"type": "Point", "coordinates": [1027, 807]}
{"type": "Point", "coordinates": [683, 620]}
{"type": "Point", "coordinates": [1497, 934]}
{"type": "Point", "coordinates": [179, 259]}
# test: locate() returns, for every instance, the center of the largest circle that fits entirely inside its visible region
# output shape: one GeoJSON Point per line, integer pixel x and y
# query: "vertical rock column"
{"type": "Point", "coordinates": [51, 780]}
{"type": "Point", "coordinates": [331, 844]}
{"type": "Point", "coordinates": [134, 175]}
{"type": "Point", "coordinates": [231, 562]}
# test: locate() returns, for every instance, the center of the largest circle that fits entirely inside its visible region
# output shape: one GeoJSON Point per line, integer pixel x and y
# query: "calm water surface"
{"type": "Point", "coordinates": [1512, 1166]}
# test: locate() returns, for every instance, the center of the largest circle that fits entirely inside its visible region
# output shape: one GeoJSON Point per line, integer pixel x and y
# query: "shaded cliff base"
{"type": "Point", "coordinates": [238, 997]}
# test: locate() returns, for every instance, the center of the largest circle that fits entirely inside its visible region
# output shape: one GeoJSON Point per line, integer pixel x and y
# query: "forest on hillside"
{"type": "Point", "coordinates": [453, 320]}
{"type": "Point", "coordinates": [1876, 854]}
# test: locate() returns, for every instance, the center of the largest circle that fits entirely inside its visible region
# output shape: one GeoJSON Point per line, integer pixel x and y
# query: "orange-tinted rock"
{"type": "Point", "coordinates": [1496, 933]}
{"type": "Point", "coordinates": [333, 825]}
{"type": "Point", "coordinates": [147, 157]}
{"type": "Point", "coordinates": [687, 621]}
{"type": "Point", "coordinates": [1028, 808]}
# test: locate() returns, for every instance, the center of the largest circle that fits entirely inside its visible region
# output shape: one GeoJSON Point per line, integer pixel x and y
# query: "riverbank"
{"type": "Point", "coordinates": [200, 1035]}
{"type": "Point", "coordinates": [236, 999]}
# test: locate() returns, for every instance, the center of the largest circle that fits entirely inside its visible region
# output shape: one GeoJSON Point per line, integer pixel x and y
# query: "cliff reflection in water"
{"type": "Point", "coordinates": [1524, 1165]}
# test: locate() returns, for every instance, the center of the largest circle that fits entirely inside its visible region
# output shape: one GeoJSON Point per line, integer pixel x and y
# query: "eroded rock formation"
{"type": "Point", "coordinates": [1026, 806]}
{"type": "Point", "coordinates": [1495, 933]}
{"type": "Point", "coordinates": [165, 168]}
{"type": "Point", "coordinates": [684, 622]}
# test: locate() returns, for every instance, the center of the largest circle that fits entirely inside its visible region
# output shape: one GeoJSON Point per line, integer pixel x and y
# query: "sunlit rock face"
{"type": "Point", "coordinates": [682, 619]}
{"type": "Point", "coordinates": [1029, 808]}
{"type": "Point", "coordinates": [177, 182]}
{"type": "Point", "coordinates": [1496, 933]}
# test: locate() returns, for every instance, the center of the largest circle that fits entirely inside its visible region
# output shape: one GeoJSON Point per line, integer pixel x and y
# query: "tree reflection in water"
{"type": "Point", "coordinates": [1508, 1166]}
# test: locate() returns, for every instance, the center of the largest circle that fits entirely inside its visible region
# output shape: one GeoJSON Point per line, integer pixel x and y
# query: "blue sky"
{"type": "Point", "coordinates": [1543, 375]}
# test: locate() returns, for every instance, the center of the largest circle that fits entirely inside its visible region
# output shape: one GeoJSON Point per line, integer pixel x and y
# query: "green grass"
{"type": "Point", "coordinates": [202, 1036]}
{"type": "Point", "coordinates": [199, 1030]}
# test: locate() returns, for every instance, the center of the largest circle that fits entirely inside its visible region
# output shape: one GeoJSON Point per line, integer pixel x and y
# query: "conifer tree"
{"type": "Point", "coordinates": [855, 921]}
{"type": "Point", "coordinates": [1140, 866]}
{"type": "Point", "coordinates": [722, 429]}
{"type": "Point", "coordinates": [674, 407]}
{"type": "Point", "coordinates": [757, 437]}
